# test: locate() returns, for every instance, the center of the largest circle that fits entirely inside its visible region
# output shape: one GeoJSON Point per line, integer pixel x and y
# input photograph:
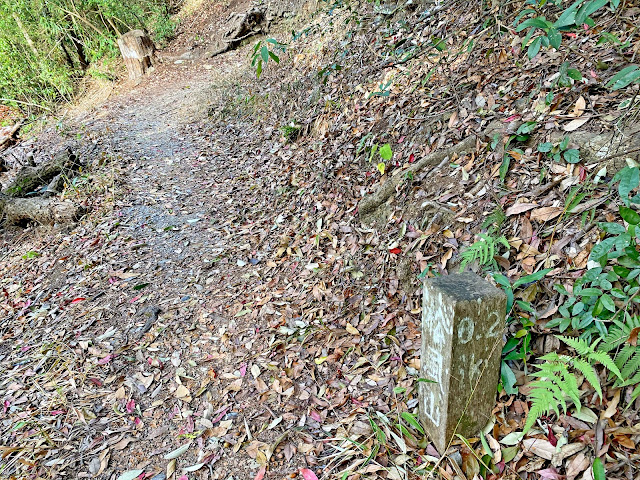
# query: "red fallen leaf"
{"type": "Point", "coordinates": [552, 438]}
{"type": "Point", "coordinates": [107, 359]}
{"type": "Point", "coordinates": [260, 474]}
{"type": "Point", "coordinates": [412, 158]}
{"type": "Point", "coordinates": [76, 300]}
{"type": "Point", "coordinates": [316, 416]}
{"type": "Point", "coordinates": [395, 250]}
{"type": "Point", "coordinates": [308, 474]}
{"type": "Point", "coordinates": [633, 336]}
{"type": "Point", "coordinates": [131, 406]}
{"type": "Point", "coordinates": [135, 298]}
{"type": "Point", "coordinates": [243, 369]}
{"type": "Point", "coordinates": [511, 118]}
{"type": "Point", "coordinates": [96, 381]}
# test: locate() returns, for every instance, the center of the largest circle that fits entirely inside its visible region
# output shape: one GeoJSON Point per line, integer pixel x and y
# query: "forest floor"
{"type": "Point", "coordinates": [222, 308]}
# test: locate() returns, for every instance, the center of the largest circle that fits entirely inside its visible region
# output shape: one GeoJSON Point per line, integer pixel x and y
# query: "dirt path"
{"type": "Point", "coordinates": [144, 301]}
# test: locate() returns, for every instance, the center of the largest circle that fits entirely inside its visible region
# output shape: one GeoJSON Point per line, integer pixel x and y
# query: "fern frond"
{"type": "Point", "coordinates": [619, 333]}
{"type": "Point", "coordinates": [578, 344]}
{"type": "Point", "coordinates": [629, 362]}
{"type": "Point", "coordinates": [604, 359]}
{"type": "Point", "coordinates": [483, 250]}
{"type": "Point", "coordinates": [589, 373]}
{"type": "Point", "coordinates": [543, 400]}
{"type": "Point", "coordinates": [549, 393]}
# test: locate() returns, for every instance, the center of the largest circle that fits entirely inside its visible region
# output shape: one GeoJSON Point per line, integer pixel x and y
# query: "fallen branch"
{"type": "Point", "coordinates": [30, 178]}
{"type": "Point", "coordinates": [41, 210]}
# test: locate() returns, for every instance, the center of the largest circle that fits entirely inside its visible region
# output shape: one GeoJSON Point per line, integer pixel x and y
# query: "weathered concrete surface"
{"type": "Point", "coordinates": [137, 52]}
{"type": "Point", "coordinates": [463, 317]}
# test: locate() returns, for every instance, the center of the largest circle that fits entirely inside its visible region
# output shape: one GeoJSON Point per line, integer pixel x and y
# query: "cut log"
{"type": "Point", "coordinates": [30, 178]}
{"type": "Point", "coordinates": [41, 210]}
{"type": "Point", "coordinates": [240, 26]}
{"type": "Point", "coordinates": [137, 51]}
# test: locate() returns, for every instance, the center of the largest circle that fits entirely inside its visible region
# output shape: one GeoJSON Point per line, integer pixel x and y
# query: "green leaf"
{"type": "Point", "coordinates": [575, 74]}
{"type": "Point", "coordinates": [411, 420]}
{"type": "Point", "coordinates": [538, 22]}
{"type": "Point", "coordinates": [381, 167]}
{"type": "Point", "coordinates": [629, 179]}
{"type": "Point", "coordinates": [534, 48]}
{"type": "Point", "coordinates": [385, 152]}
{"type": "Point", "coordinates": [274, 57]}
{"type": "Point", "coordinates": [612, 228]}
{"type": "Point", "coordinates": [624, 77]}
{"type": "Point", "coordinates": [555, 38]}
{"type": "Point", "coordinates": [508, 379]}
{"type": "Point", "coordinates": [264, 53]}
{"type": "Point", "coordinates": [607, 303]}
{"type": "Point", "coordinates": [572, 155]}
{"type": "Point", "coordinates": [504, 167]}
{"type": "Point", "coordinates": [259, 68]}
{"type": "Point", "coordinates": [629, 215]}
{"type": "Point", "coordinates": [534, 277]}
{"type": "Point", "coordinates": [545, 147]}
{"type": "Point", "coordinates": [598, 470]}
{"type": "Point", "coordinates": [568, 17]}
{"type": "Point", "coordinates": [140, 286]}
{"type": "Point", "coordinates": [587, 9]}
{"type": "Point", "coordinates": [527, 127]}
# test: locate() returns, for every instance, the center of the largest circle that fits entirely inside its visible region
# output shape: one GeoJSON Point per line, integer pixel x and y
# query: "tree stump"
{"type": "Point", "coordinates": [137, 51]}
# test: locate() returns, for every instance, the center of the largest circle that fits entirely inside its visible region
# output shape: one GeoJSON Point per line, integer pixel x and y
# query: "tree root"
{"type": "Point", "coordinates": [371, 202]}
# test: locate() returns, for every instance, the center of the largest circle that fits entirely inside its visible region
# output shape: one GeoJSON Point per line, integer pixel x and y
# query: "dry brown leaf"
{"type": "Point", "coordinates": [579, 107]}
{"type": "Point", "coordinates": [612, 406]}
{"type": "Point", "coordinates": [545, 214]}
{"type": "Point", "coordinates": [575, 124]}
{"type": "Point", "coordinates": [577, 465]}
{"type": "Point", "coordinates": [519, 208]}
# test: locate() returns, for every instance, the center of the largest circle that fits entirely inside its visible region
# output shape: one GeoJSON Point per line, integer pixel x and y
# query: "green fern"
{"type": "Point", "coordinates": [627, 359]}
{"type": "Point", "coordinates": [557, 380]}
{"type": "Point", "coordinates": [619, 333]}
{"type": "Point", "coordinates": [483, 250]}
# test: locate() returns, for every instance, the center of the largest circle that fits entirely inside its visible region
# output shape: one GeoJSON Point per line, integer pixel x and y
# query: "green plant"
{"type": "Point", "coordinates": [291, 131]}
{"type": "Point", "coordinates": [624, 77]}
{"type": "Point", "coordinates": [262, 53]}
{"type": "Point", "coordinates": [483, 251]}
{"type": "Point", "coordinates": [551, 32]}
{"type": "Point", "coordinates": [516, 347]}
{"type": "Point", "coordinates": [560, 151]}
{"type": "Point", "coordinates": [557, 380]}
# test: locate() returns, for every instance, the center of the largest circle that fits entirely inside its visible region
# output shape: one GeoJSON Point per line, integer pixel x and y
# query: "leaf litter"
{"type": "Point", "coordinates": [286, 335]}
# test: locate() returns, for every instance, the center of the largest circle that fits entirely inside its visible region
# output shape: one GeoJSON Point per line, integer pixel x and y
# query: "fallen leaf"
{"type": "Point", "coordinates": [575, 124]}
{"type": "Point", "coordinates": [260, 474]}
{"type": "Point", "coordinates": [519, 208]}
{"type": "Point", "coordinates": [177, 452]}
{"type": "Point", "coordinates": [130, 475]}
{"type": "Point", "coordinates": [579, 107]}
{"type": "Point", "coordinates": [308, 474]}
{"type": "Point", "coordinates": [545, 214]}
